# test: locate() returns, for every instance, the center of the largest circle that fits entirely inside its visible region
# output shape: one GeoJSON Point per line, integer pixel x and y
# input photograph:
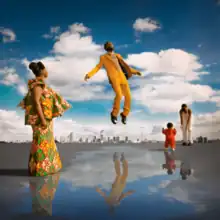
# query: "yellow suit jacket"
{"type": "Point", "coordinates": [113, 74]}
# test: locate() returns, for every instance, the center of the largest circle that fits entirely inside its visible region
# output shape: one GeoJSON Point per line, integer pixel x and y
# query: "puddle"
{"type": "Point", "coordinates": [147, 186]}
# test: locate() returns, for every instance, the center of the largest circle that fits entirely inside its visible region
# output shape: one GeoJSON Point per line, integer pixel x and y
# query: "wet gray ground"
{"type": "Point", "coordinates": [155, 194]}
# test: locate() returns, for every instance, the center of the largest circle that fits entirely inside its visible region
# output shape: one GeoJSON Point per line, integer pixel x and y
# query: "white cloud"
{"type": "Point", "coordinates": [9, 77]}
{"type": "Point", "coordinates": [79, 28]}
{"type": "Point", "coordinates": [146, 25]}
{"type": "Point", "coordinates": [168, 80]}
{"type": "Point", "coordinates": [8, 35]}
{"type": "Point", "coordinates": [167, 71]}
{"type": "Point", "coordinates": [74, 56]}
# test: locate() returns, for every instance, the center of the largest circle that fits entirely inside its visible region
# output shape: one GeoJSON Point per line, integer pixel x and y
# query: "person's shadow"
{"type": "Point", "coordinates": [14, 172]}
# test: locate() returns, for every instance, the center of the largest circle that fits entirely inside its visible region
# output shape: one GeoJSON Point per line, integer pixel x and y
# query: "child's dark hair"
{"type": "Point", "coordinates": [169, 125]}
{"type": "Point", "coordinates": [169, 172]}
{"type": "Point", "coordinates": [36, 68]}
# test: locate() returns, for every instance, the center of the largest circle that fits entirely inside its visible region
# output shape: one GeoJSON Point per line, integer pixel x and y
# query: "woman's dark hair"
{"type": "Point", "coordinates": [169, 125]}
{"type": "Point", "coordinates": [184, 106]}
{"type": "Point", "coordinates": [36, 68]}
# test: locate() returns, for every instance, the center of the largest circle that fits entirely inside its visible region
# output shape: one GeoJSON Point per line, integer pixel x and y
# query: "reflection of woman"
{"type": "Point", "coordinates": [43, 191]}
{"type": "Point", "coordinates": [41, 105]}
{"type": "Point", "coordinates": [170, 165]}
{"type": "Point", "coordinates": [118, 186]}
{"type": "Point", "coordinates": [185, 170]}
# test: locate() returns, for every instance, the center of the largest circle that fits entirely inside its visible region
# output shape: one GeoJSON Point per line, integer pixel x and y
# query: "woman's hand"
{"type": "Point", "coordinates": [44, 124]}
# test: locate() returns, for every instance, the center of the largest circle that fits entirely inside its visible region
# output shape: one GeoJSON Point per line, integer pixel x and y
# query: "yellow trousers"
{"type": "Point", "coordinates": [120, 91]}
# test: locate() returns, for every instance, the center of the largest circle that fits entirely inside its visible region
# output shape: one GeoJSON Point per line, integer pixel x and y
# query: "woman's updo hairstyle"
{"type": "Point", "coordinates": [36, 68]}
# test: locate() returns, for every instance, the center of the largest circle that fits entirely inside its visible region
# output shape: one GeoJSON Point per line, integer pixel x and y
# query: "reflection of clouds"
{"type": "Point", "coordinates": [94, 168]}
{"type": "Point", "coordinates": [163, 184]}
{"type": "Point", "coordinates": [201, 189]}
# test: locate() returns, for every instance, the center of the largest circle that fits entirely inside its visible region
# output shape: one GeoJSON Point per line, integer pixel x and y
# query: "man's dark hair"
{"type": "Point", "coordinates": [184, 106]}
{"type": "Point", "coordinates": [106, 46]}
{"type": "Point", "coordinates": [169, 125]}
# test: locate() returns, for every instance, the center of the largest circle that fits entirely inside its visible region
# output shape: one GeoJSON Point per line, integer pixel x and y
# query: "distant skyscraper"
{"type": "Point", "coordinates": [72, 137]}
{"type": "Point", "coordinates": [117, 139]}
{"type": "Point", "coordinates": [126, 139]}
{"type": "Point", "coordinates": [62, 139]}
{"type": "Point", "coordinates": [114, 139]}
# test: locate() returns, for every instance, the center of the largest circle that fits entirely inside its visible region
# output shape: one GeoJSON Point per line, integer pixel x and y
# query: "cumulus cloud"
{"type": "Point", "coordinates": [146, 25]}
{"type": "Point", "coordinates": [9, 77]}
{"type": "Point", "coordinates": [8, 35]}
{"type": "Point", "coordinates": [73, 56]}
{"type": "Point", "coordinates": [168, 81]}
{"type": "Point", "coordinates": [75, 53]}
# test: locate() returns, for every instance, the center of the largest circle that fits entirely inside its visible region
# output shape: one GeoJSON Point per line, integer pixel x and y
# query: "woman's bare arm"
{"type": "Point", "coordinates": [190, 115]}
{"type": "Point", "coordinates": [181, 117]}
{"type": "Point", "coordinates": [37, 92]}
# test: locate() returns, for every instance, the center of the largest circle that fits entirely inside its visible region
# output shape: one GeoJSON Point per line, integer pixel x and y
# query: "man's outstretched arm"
{"type": "Point", "coordinates": [95, 70]}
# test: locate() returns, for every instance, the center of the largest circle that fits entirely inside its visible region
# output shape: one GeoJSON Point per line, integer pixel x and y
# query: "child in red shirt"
{"type": "Point", "coordinates": [170, 133]}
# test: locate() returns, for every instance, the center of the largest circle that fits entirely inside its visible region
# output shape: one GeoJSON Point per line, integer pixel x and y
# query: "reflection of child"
{"type": "Point", "coordinates": [185, 171]}
{"type": "Point", "coordinates": [170, 163]}
{"type": "Point", "coordinates": [170, 134]}
{"type": "Point", "coordinates": [116, 194]}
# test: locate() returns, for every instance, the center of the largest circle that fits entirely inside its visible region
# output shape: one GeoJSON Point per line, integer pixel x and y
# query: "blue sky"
{"type": "Point", "coordinates": [190, 27]}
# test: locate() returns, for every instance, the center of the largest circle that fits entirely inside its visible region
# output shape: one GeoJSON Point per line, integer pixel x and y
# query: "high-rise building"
{"type": "Point", "coordinates": [117, 139]}
{"type": "Point", "coordinates": [62, 139]}
{"type": "Point", "coordinates": [126, 139]}
{"type": "Point", "coordinates": [72, 137]}
{"type": "Point", "coordinates": [114, 139]}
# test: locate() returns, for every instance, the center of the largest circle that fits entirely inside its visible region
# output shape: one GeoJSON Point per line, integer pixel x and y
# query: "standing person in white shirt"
{"type": "Point", "coordinates": [186, 124]}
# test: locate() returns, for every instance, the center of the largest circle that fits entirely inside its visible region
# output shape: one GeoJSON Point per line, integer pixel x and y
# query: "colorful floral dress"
{"type": "Point", "coordinates": [44, 156]}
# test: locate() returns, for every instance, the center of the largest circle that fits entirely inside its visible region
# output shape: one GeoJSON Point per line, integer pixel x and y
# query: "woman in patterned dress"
{"type": "Point", "coordinates": [41, 105]}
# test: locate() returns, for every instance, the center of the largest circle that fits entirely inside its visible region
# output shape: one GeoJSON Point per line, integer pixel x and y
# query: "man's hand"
{"type": "Point", "coordinates": [86, 77]}
{"type": "Point", "coordinates": [138, 73]}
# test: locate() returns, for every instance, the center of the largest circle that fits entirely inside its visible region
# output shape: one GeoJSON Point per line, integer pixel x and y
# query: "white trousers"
{"type": "Point", "coordinates": [187, 134]}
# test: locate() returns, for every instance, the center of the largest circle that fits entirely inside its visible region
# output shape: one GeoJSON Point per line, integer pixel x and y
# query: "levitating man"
{"type": "Point", "coordinates": [186, 124]}
{"type": "Point", "coordinates": [118, 73]}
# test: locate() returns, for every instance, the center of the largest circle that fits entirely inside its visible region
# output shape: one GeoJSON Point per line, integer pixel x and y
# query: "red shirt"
{"type": "Point", "coordinates": [170, 136]}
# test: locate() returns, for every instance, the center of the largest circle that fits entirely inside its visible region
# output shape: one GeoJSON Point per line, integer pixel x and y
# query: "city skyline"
{"type": "Point", "coordinates": [179, 59]}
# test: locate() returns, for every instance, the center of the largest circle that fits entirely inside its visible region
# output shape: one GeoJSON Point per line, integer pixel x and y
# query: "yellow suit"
{"type": "Point", "coordinates": [118, 81]}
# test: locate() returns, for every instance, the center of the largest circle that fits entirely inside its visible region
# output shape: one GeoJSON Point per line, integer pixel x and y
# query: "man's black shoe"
{"type": "Point", "coordinates": [123, 119]}
{"type": "Point", "coordinates": [184, 144]}
{"type": "Point", "coordinates": [114, 119]}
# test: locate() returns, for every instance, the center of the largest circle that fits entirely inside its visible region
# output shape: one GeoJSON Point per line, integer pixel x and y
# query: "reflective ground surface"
{"type": "Point", "coordinates": [142, 183]}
